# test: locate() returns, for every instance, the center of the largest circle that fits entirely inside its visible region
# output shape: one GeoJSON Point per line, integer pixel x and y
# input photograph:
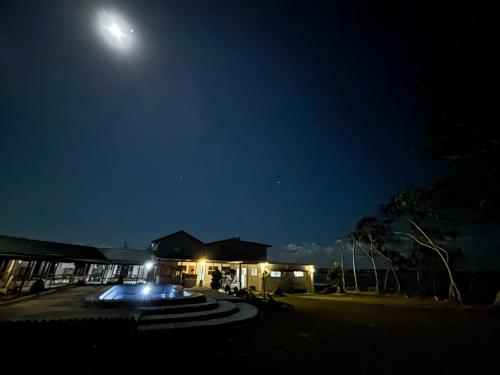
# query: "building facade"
{"type": "Point", "coordinates": [178, 258]}
{"type": "Point", "coordinates": [182, 258]}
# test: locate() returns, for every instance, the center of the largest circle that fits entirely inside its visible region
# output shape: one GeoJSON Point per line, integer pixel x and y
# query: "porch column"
{"type": "Point", "coordinates": [26, 273]}
{"type": "Point", "coordinates": [6, 277]}
{"type": "Point", "coordinates": [239, 277]}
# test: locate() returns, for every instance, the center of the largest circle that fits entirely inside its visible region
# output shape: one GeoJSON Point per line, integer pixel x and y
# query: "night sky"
{"type": "Point", "coordinates": [281, 122]}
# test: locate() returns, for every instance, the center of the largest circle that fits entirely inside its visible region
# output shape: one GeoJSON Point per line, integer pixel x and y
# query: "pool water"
{"type": "Point", "coordinates": [145, 292]}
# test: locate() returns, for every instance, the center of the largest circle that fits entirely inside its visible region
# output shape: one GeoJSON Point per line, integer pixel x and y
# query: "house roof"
{"type": "Point", "coordinates": [126, 256]}
{"type": "Point", "coordinates": [24, 248]}
{"type": "Point", "coordinates": [237, 239]}
{"type": "Point", "coordinates": [177, 233]}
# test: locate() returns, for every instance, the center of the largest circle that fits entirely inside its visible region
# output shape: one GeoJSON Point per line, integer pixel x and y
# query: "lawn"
{"type": "Point", "coordinates": [357, 334]}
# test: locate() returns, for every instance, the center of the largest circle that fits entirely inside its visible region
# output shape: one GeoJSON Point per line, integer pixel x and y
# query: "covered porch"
{"type": "Point", "coordinates": [198, 273]}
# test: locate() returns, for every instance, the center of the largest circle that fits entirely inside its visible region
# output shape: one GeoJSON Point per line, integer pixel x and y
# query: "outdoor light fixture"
{"type": "Point", "coordinates": [148, 265]}
{"type": "Point", "coordinates": [146, 290]}
{"type": "Point", "coordinates": [115, 30]}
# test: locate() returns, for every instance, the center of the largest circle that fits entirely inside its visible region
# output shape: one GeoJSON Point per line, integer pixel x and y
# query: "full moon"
{"type": "Point", "coordinates": [115, 30]}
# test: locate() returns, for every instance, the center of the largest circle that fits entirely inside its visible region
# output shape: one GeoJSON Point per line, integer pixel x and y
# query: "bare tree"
{"type": "Point", "coordinates": [339, 241]}
{"type": "Point", "coordinates": [370, 254]}
{"type": "Point", "coordinates": [426, 241]}
{"type": "Point", "coordinates": [354, 264]}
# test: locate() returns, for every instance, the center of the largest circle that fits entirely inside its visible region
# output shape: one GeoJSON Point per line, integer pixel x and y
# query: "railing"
{"type": "Point", "coordinates": [54, 281]}
{"type": "Point", "coordinates": [99, 279]}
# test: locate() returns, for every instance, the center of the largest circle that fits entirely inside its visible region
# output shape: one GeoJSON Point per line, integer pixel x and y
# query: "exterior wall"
{"type": "Point", "coordinates": [199, 274]}
{"type": "Point", "coordinates": [167, 272]}
{"type": "Point", "coordinates": [287, 279]}
{"type": "Point", "coordinates": [179, 246]}
{"type": "Point", "coordinates": [254, 277]}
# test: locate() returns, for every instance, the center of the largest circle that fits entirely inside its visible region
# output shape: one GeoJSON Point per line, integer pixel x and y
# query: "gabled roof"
{"type": "Point", "coordinates": [126, 256]}
{"type": "Point", "coordinates": [237, 239]}
{"type": "Point", "coordinates": [177, 233]}
{"type": "Point", "coordinates": [226, 240]}
{"type": "Point", "coordinates": [24, 248]}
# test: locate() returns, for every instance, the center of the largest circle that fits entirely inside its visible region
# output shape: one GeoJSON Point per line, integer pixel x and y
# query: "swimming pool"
{"type": "Point", "coordinates": [149, 294]}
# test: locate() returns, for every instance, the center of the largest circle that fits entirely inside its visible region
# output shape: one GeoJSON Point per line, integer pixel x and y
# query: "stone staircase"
{"type": "Point", "coordinates": [198, 315]}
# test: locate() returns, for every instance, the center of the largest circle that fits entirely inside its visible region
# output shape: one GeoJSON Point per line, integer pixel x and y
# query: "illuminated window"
{"type": "Point", "coordinates": [275, 273]}
{"type": "Point", "coordinates": [254, 272]}
{"type": "Point", "coordinates": [298, 273]}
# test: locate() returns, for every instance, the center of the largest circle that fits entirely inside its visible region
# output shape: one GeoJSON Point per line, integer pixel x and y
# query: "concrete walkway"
{"type": "Point", "coordinates": [216, 295]}
{"type": "Point", "coordinates": [61, 304]}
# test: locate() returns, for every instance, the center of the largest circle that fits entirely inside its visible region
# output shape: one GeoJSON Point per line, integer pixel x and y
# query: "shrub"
{"type": "Point", "coordinates": [334, 277]}
{"type": "Point", "coordinates": [216, 279]}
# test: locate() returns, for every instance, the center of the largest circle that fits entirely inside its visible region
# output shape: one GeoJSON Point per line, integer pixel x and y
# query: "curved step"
{"type": "Point", "coordinates": [210, 304]}
{"type": "Point", "coordinates": [224, 309]}
{"type": "Point", "coordinates": [245, 314]}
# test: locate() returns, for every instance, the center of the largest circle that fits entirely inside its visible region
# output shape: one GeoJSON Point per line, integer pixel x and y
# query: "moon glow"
{"type": "Point", "coordinates": [115, 30]}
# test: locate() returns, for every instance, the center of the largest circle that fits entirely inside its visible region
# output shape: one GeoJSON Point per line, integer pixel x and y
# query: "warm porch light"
{"type": "Point", "coordinates": [148, 265]}
{"type": "Point", "coordinates": [311, 268]}
{"type": "Point", "coordinates": [263, 267]}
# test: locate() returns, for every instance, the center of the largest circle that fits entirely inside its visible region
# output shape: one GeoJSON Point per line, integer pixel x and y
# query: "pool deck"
{"type": "Point", "coordinates": [61, 304]}
{"type": "Point", "coordinates": [68, 303]}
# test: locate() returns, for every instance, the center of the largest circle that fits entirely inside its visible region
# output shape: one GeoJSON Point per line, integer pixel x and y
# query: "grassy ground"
{"type": "Point", "coordinates": [329, 334]}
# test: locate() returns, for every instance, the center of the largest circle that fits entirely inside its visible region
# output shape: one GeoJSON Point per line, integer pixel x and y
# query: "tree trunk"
{"type": "Point", "coordinates": [453, 291]}
{"type": "Point", "coordinates": [385, 279]}
{"type": "Point", "coordinates": [370, 255]}
{"type": "Point", "coordinates": [418, 274]}
{"type": "Point", "coordinates": [354, 265]}
{"type": "Point", "coordinates": [376, 274]}
{"type": "Point", "coordinates": [342, 263]}
{"type": "Point", "coordinates": [374, 265]}
{"type": "Point", "coordinates": [398, 285]}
